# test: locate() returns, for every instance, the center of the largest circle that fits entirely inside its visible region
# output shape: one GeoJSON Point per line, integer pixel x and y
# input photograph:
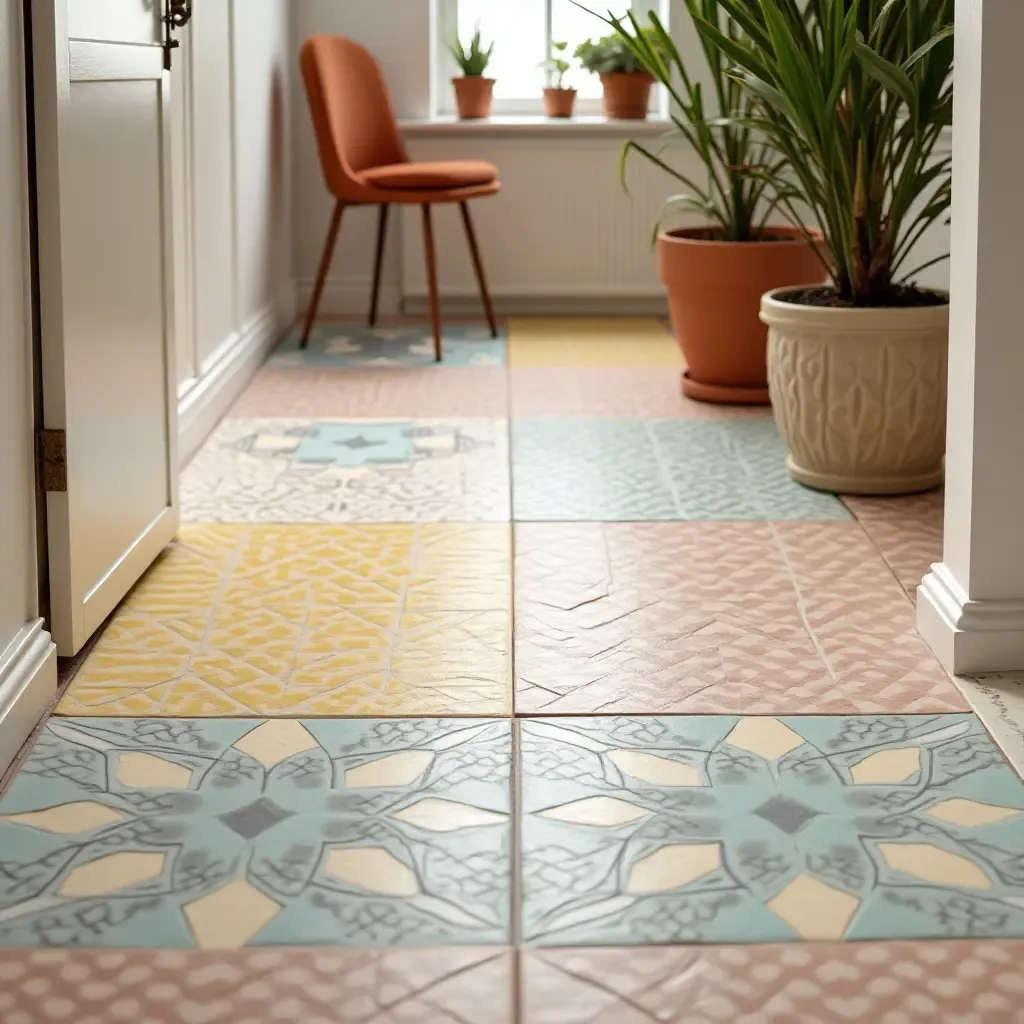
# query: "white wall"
{"type": "Point", "coordinates": [232, 150]}
{"type": "Point", "coordinates": [27, 657]}
{"type": "Point", "coordinates": [561, 237]}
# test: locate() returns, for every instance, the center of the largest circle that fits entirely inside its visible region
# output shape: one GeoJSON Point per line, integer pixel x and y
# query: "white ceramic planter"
{"type": "Point", "coordinates": [859, 395]}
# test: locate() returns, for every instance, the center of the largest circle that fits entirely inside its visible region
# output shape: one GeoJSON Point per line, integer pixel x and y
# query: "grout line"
{"type": "Point", "coordinates": [515, 880]}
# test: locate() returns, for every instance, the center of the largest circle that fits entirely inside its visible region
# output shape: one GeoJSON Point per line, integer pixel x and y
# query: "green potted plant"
{"type": "Point", "coordinates": [558, 100]}
{"type": "Point", "coordinates": [474, 94]}
{"type": "Point", "coordinates": [855, 94]}
{"type": "Point", "coordinates": [716, 273]}
{"type": "Point", "coordinates": [625, 82]}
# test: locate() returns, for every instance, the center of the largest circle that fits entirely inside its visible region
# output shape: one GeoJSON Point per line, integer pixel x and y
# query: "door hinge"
{"type": "Point", "coordinates": [52, 460]}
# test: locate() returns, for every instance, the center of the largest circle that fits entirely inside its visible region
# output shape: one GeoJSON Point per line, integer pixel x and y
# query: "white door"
{"type": "Point", "coordinates": [102, 102]}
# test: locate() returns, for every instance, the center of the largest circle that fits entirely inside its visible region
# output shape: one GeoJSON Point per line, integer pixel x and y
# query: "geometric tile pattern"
{"type": "Point", "coordinates": [791, 828]}
{"type": "Point", "coordinates": [906, 530]}
{"type": "Point", "coordinates": [310, 620]}
{"type": "Point", "coordinates": [855, 983]}
{"type": "Point", "coordinates": [281, 832]}
{"type": "Point", "coordinates": [646, 618]}
{"type": "Point", "coordinates": [374, 393]}
{"type": "Point", "coordinates": [256, 986]}
{"type": "Point", "coordinates": [344, 346]}
{"type": "Point", "coordinates": [684, 469]}
{"type": "Point", "coordinates": [275, 470]}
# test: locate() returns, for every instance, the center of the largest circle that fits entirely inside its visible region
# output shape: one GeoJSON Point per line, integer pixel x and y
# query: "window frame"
{"type": "Point", "coordinates": [443, 26]}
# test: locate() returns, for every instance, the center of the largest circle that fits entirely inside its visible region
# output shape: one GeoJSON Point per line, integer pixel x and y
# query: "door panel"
{"type": "Point", "coordinates": [106, 301]}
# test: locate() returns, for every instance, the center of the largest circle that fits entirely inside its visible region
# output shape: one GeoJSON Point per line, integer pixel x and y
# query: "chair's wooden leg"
{"type": "Point", "coordinates": [378, 261]}
{"type": "Point", "coordinates": [321, 277]}
{"type": "Point", "coordinates": [478, 266]}
{"type": "Point", "coordinates": [435, 302]}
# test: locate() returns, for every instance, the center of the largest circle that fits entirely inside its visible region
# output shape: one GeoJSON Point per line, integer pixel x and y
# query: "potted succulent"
{"type": "Point", "coordinates": [625, 82]}
{"type": "Point", "coordinates": [855, 98]}
{"type": "Point", "coordinates": [716, 273]}
{"type": "Point", "coordinates": [474, 94]}
{"type": "Point", "coordinates": [558, 100]}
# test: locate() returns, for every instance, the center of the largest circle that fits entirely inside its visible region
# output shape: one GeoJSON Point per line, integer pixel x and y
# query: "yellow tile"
{"type": "Point", "coordinates": [596, 341]}
{"type": "Point", "coordinates": [767, 737]}
{"type": "Point", "coordinates": [887, 766]}
{"type": "Point", "coordinates": [931, 863]}
{"type": "Point", "coordinates": [314, 619]}
{"type": "Point", "coordinates": [670, 867]}
{"type": "Point", "coordinates": [372, 868]}
{"type": "Point", "coordinates": [817, 911]}
{"type": "Point", "coordinates": [394, 770]}
{"type": "Point", "coordinates": [229, 917]}
{"type": "Point", "coordinates": [660, 771]}
{"type": "Point", "coordinates": [970, 813]}
{"type": "Point", "coordinates": [147, 771]}
{"type": "Point", "coordinates": [112, 873]}
{"type": "Point", "coordinates": [598, 811]}
{"type": "Point", "coordinates": [68, 819]}
{"type": "Point", "coordinates": [436, 815]}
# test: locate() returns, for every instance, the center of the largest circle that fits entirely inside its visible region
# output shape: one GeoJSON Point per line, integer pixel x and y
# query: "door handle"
{"type": "Point", "coordinates": [177, 15]}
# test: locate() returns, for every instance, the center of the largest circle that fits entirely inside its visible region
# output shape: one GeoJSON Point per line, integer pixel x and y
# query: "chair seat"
{"type": "Point", "coordinates": [441, 174]}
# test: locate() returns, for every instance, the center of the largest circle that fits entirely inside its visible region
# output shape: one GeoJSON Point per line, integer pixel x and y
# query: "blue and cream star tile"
{"type": "Point", "coordinates": [350, 345]}
{"type": "Point", "coordinates": [356, 470]}
{"type": "Point", "coordinates": [233, 832]}
{"type": "Point", "coordinates": [725, 829]}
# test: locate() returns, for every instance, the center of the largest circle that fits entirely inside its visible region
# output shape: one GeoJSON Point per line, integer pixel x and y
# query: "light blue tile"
{"type": "Point", "coordinates": [799, 811]}
{"type": "Point", "coordinates": [356, 444]}
{"type": "Point", "coordinates": [621, 469]}
{"type": "Point", "coordinates": [270, 821]}
{"type": "Point", "coordinates": [352, 345]}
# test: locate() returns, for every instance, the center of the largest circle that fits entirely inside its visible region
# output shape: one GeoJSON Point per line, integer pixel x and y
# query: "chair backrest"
{"type": "Point", "coordinates": [351, 110]}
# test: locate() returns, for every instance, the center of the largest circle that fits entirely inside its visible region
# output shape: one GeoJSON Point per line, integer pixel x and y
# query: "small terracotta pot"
{"type": "Point", "coordinates": [474, 96]}
{"type": "Point", "coordinates": [627, 94]}
{"type": "Point", "coordinates": [559, 102]}
{"type": "Point", "coordinates": [714, 295]}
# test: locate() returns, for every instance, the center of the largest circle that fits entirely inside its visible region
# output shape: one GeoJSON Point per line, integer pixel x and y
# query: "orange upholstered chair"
{"type": "Point", "coordinates": [364, 162]}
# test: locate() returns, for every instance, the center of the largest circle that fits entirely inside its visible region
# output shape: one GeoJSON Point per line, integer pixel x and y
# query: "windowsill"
{"type": "Point", "coordinates": [526, 125]}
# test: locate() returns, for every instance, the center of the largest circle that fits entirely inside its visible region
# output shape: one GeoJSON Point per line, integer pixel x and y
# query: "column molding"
{"type": "Point", "coordinates": [971, 606]}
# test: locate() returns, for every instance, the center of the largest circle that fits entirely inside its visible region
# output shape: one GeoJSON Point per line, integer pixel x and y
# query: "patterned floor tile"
{"type": "Point", "coordinates": [644, 392]}
{"type": "Point", "coordinates": [998, 700]}
{"type": "Point", "coordinates": [907, 530]}
{"type": "Point", "coordinates": [310, 620]}
{"type": "Point", "coordinates": [417, 392]}
{"type": "Point", "coordinates": [280, 470]}
{"type": "Point", "coordinates": [726, 829]}
{"type": "Point", "coordinates": [346, 345]}
{"type": "Point", "coordinates": [338, 986]}
{"type": "Point", "coordinates": [226, 833]}
{"type": "Point", "coordinates": [591, 341]}
{"type": "Point", "coordinates": [826, 983]}
{"type": "Point", "coordinates": [715, 617]}
{"type": "Point", "coordinates": [646, 470]}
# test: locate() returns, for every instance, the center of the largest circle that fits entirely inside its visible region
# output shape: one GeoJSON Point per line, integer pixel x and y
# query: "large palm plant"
{"type": "Point", "coordinates": [741, 188]}
{"type": "Point", "coordinates": [854, 94]}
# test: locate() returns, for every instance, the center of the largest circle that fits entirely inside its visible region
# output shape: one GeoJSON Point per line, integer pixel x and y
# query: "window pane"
{"type": "Point", "coordinates": [517, 28]}
{"type": "Point", "coordinates": [572, 25]}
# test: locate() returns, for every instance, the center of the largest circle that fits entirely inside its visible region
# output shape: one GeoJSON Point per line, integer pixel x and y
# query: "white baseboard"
{"type": "Point", "coordinates": [969, 637]}
{"type": "Point", "coordinates": [206, 399]}
{"type": "Point", "coordinates": [28, 685]}
{"type": "Point", "coordinates": [350, 297]}
{"type": "Point", "coordinates": [554, 304]}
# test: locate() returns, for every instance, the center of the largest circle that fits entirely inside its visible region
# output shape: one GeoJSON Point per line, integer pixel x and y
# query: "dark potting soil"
{"type": "Point", "coordinates": [898, 297]}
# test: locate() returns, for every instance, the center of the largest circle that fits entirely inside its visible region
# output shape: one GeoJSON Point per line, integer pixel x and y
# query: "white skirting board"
{"type": "Point", "coordinates": [28, 685]}
{"type": "Point", "coordinates": [969, 637]}
{"type": "Point", "coordinates": [206, 399]}
{"type": "Point", "coordinates": [349, 297]}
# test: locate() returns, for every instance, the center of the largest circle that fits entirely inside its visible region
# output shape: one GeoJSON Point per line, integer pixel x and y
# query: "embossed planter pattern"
{"type": "Point", "coordinates": [859, 395]}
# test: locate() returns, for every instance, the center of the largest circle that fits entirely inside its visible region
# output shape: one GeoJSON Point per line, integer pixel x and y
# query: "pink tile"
{"type": "Point", "coordinates": [855, 983]}
{"type": "Point", "coordinates": [645, 392]}
{"type": "Point", "coordinates": [414, 391]}
{"type": "Point", "coordinates": [78, 986]}
{"type": "Point", "coordinates": [907, 531]}
{"type": "Point", "coordinates": [637, 618]}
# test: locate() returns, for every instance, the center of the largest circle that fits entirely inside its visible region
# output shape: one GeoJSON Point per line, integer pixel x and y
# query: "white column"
{"type": "Point", "coordinates": [971, 606]}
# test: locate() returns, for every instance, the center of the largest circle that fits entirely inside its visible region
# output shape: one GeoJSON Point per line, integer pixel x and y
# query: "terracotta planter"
{"type": "Point", "coordinates": [714, 294]}
{"type": "Point", "coordinates": [474, 96]}
{"type": "Point", "coordinates": [559, 102]}
{"type": "Point", "coordinates": [627, 95]}
{"type": "Point", "coordinates": [859, 394]}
